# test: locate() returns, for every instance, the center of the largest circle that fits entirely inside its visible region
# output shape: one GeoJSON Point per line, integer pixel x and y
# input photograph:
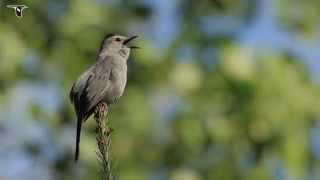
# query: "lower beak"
{"type": "Point", "coordinates": [129, 39]}
{"type": "Point", "coordinates": [134, 47]}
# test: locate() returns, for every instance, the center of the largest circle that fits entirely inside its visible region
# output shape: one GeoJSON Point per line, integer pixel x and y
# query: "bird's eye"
{"type": "Point", "coordinates": [118, 39]}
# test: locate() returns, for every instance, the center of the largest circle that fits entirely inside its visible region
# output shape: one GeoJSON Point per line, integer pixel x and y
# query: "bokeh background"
{"type": "Point", "coordinates": [221, 89]}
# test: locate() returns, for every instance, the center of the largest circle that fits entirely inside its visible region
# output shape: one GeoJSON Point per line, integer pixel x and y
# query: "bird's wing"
{"type": "Point", "coordinates": [79, 85]}
{"type": "Point", "coordinates": [11, 6]}
{"type": "Point", "coordinates": [98, 85]}
{"type": "Point", "coordinates": [90, 88]}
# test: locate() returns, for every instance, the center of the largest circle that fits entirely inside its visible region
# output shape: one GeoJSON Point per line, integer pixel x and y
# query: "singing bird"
{"type": "Point", "coordinates": [104, 81]}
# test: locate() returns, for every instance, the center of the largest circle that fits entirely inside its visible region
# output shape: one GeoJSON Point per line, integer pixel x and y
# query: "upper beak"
{"type": "Point", "coordinates": [129, 39]}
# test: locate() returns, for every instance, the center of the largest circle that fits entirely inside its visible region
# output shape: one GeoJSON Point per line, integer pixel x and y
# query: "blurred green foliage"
{"type": "Point", "coordinates": [224, 112]}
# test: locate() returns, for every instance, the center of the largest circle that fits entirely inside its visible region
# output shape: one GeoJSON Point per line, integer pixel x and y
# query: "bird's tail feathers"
{"type": "Point", "coordinates": [78, 135]}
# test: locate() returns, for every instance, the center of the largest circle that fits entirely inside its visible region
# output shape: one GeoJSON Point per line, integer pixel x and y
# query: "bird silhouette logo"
{"type": "Point", "coordinates": [18, 9]}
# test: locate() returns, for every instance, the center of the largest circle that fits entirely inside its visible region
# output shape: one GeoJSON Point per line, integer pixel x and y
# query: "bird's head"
{"type": "Point", "coordinates": [117, 44]}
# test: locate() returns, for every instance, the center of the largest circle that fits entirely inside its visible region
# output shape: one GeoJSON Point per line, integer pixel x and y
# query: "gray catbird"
{"type": "Point", "coordinates": [104, 81]}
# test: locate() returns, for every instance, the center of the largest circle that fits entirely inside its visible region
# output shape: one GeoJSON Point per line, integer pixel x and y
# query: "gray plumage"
{"type": "Point", "coordinates": [104, 81]}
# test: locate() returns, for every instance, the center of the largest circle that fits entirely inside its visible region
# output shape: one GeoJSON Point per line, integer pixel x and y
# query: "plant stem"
{"type": "Point", "coordinates": [103, 137]}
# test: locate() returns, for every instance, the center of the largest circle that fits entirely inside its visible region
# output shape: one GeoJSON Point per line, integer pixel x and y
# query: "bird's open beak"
{"type": "Point", "coordinates": [130, 39]}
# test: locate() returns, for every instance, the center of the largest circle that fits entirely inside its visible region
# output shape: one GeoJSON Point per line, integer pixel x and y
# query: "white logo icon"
{"type": "Point", "coordinates": [18, 9]}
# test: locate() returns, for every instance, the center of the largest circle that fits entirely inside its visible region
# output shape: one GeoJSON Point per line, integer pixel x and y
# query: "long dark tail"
{"type": "Point", "coordinates": [79, 125]}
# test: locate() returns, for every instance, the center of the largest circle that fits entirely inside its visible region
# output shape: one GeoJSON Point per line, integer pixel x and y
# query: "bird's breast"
{"type": "Point", "coordinates": [118, 80]}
